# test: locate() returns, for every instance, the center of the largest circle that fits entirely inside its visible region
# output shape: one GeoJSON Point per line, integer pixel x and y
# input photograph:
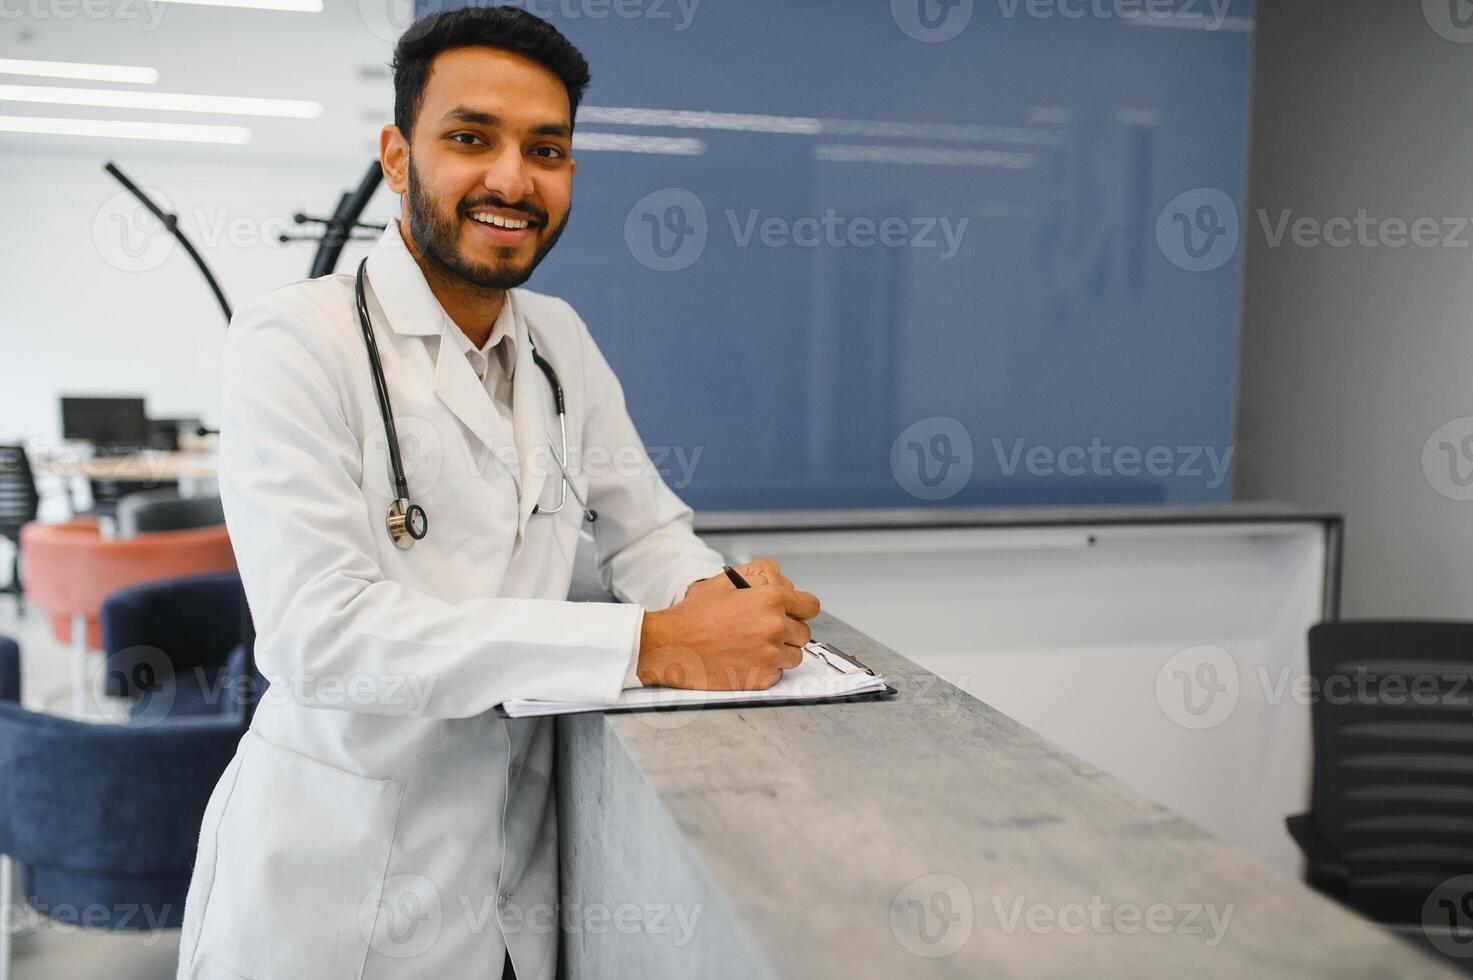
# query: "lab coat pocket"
{"type": "Point", "coordinates": [302, 852]}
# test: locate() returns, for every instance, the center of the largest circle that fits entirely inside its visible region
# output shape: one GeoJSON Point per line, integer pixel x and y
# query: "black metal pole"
{"type": "Point", "coordinates": [171, 222]}
{"type": "Point", "coordinates": [340, 225]}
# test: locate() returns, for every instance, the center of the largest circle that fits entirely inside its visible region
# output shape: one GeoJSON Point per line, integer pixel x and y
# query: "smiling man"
{"type": "Point", "coordinates": [380, 819]}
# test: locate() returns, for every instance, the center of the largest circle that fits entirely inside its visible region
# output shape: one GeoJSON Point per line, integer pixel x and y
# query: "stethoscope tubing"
{"type": "Point", "coordinates": [407, 521]}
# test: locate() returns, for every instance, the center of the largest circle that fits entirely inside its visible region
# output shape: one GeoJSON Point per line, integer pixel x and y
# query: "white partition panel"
{"type": "Point", "coordinates": [1170, 655]}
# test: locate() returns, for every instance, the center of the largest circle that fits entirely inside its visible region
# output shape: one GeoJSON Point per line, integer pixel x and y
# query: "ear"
{"type": "Point", "coordinates": [393, 156]}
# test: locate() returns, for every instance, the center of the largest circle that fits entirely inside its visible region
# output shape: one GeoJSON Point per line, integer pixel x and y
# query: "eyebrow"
{"type": "Point", "coordinates": [466, 114]}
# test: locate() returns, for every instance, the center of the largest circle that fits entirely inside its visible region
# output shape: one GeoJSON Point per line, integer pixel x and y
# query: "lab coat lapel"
{"type": "Point", "coordinates": [534, 415]}
{"type": "Point", "coordinates": [458, 388]}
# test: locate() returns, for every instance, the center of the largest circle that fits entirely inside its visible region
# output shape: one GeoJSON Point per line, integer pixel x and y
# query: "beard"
{"type": "Point", "coordinates": [436, 231]}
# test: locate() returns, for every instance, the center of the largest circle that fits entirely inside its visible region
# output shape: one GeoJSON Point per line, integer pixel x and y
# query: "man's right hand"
{"type": "Point", "coordinates": [726, 640]}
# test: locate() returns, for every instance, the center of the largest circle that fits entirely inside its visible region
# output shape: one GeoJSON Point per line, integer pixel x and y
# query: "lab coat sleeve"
{"type": "Point", "coordinates": [647, 547]}
{"type": "Point", "coordinates": [327, 618]}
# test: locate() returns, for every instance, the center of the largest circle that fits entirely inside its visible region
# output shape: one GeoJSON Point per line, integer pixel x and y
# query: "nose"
{"type": "Point", "coordinates": [508, 176]}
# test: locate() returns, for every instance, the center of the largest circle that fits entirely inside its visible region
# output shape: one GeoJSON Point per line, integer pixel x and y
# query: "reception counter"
{"type": "Point", "coordinates": [1161, 644]}
{"type": "Point", "coordinates": [928, 835]}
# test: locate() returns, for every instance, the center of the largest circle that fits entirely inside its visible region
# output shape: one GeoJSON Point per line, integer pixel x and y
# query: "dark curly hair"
{"type": "Point", "coordinates": [507, 28]}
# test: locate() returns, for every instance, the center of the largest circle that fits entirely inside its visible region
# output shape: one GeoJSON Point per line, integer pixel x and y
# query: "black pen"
{"type": "Point", "coordinates": [735, 576]}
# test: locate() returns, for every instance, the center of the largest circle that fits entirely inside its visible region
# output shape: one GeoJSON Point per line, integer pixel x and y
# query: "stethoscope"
{"type": "Point", "coordinates": [407, 521]}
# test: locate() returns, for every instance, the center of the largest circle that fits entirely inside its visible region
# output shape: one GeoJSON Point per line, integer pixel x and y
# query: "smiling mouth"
{"type": "Point", "coordinates": [506, 224]}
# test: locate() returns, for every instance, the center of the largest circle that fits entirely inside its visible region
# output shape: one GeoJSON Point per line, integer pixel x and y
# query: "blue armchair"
{"type": "Point", "coordinates": [173, 646]}
{"type": "Point", "coordinates": [102, 820]}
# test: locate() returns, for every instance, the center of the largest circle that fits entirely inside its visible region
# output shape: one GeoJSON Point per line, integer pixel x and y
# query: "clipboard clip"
{"type": "Point", "coordinates": [837, 659]}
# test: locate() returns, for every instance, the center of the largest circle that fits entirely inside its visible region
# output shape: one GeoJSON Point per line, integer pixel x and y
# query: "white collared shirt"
{"type": "Point", "coordinates": [495, 361]}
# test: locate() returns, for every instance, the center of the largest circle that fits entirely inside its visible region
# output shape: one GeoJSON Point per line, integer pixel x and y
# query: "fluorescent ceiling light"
{"type": "Point", "coordinates": [679, 146]}
{"type": "Point", "coordinates": [125, 129]}
{"type": "Point", "coordinates": [296, 6]}
{"type": "Point", "coordinates": [694, 119]}
{"type": "Point", "coordinates": [934, 156]}
{"type": "Point", "coordinates": [744, 122]}
{"type": "Point", "coordinates": [173, 102]}
{"type": "Point", "coordinates": [126, 74]}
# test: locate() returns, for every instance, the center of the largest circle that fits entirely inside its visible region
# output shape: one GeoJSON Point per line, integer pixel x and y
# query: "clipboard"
{"type": "Point", "coordinates": [825, 675]}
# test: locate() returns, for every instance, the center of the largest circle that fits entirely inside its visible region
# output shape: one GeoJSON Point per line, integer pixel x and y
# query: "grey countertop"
{"type": "Point", "coordinates": [867, 839]}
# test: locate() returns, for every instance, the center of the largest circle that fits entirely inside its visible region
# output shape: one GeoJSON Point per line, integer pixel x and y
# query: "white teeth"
{"type": "Point", "coordinates": [495, 220]}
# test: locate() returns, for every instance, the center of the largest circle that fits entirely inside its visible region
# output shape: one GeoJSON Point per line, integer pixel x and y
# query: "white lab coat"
{"type": "Point", "coordinates": [379, 819]}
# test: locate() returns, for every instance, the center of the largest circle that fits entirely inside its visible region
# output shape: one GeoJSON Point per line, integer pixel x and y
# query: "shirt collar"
{"type": "Point", "coordinates": [410, 306]}
{"type": "Point", "coordinates": [502, 331]}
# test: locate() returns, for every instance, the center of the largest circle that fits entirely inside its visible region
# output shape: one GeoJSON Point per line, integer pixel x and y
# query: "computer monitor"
{"type": "Point", "coordinates": [105, 422]}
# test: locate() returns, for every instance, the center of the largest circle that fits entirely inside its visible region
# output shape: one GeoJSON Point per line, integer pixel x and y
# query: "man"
{"type": "Point", "coordinates": [380, 819]}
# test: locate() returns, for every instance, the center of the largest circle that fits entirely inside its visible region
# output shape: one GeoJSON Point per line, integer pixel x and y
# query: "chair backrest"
{"type": "Point", "coordinates": [105, 819]}
{"type": "Point", "coordinates": [71, 569]}
{"type": "Point", "coordinates": [1393, 747]}
{"type": "Point", "coordinates": [9, 670]}
{"type": "Point", "coordinates": [187, 622]}
{"type": "Point", "coordinates": [18, 497]}
{"type": "Point", "coordinates": [165, 510]}
{"type": "Point", "coordinates": [108, 491]}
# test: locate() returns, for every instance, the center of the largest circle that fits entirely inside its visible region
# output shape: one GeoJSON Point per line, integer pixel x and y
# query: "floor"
{"type": "Point", "coordinates": [52, 951]}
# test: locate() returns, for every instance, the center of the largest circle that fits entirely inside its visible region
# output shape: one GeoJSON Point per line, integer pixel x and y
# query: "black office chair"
{"type": "Point", "coordinates": [1392, 816]}
{"type": "Point", "coordinates": [18, 504]}
{"type": "Point", "coordinates": [165, 510]}
{"type": "Point", "coordinates": [106, 493]}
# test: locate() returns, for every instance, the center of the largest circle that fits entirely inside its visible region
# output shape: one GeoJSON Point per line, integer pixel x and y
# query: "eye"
{"type": "Point", "coordinates": [548, 152]}
{"type": "Point", "coordinates": [465, 139]}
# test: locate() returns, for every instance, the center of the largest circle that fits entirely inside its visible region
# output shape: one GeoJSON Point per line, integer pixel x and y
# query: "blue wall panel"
{"type": "Point", "coordinates": [1075, 341]}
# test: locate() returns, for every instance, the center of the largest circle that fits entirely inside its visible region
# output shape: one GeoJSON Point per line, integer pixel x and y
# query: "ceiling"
{"type": "Point", "coordinates": [337, 57]}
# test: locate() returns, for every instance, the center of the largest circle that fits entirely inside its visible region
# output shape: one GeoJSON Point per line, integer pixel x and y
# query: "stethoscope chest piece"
{"type": "Point", "coordinates": [408, 523]}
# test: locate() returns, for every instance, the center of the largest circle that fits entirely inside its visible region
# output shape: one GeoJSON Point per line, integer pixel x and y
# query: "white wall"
{"type": "Point", "coordinates": [1353, 357]}
{"type": "Point", "coordinates": [74, 317]}
{"type": "Point", "coordinates": [96, 300]}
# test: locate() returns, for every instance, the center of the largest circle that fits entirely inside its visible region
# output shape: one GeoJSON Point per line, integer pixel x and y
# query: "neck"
{"type": "Point", "coordinates": [473, 309]}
